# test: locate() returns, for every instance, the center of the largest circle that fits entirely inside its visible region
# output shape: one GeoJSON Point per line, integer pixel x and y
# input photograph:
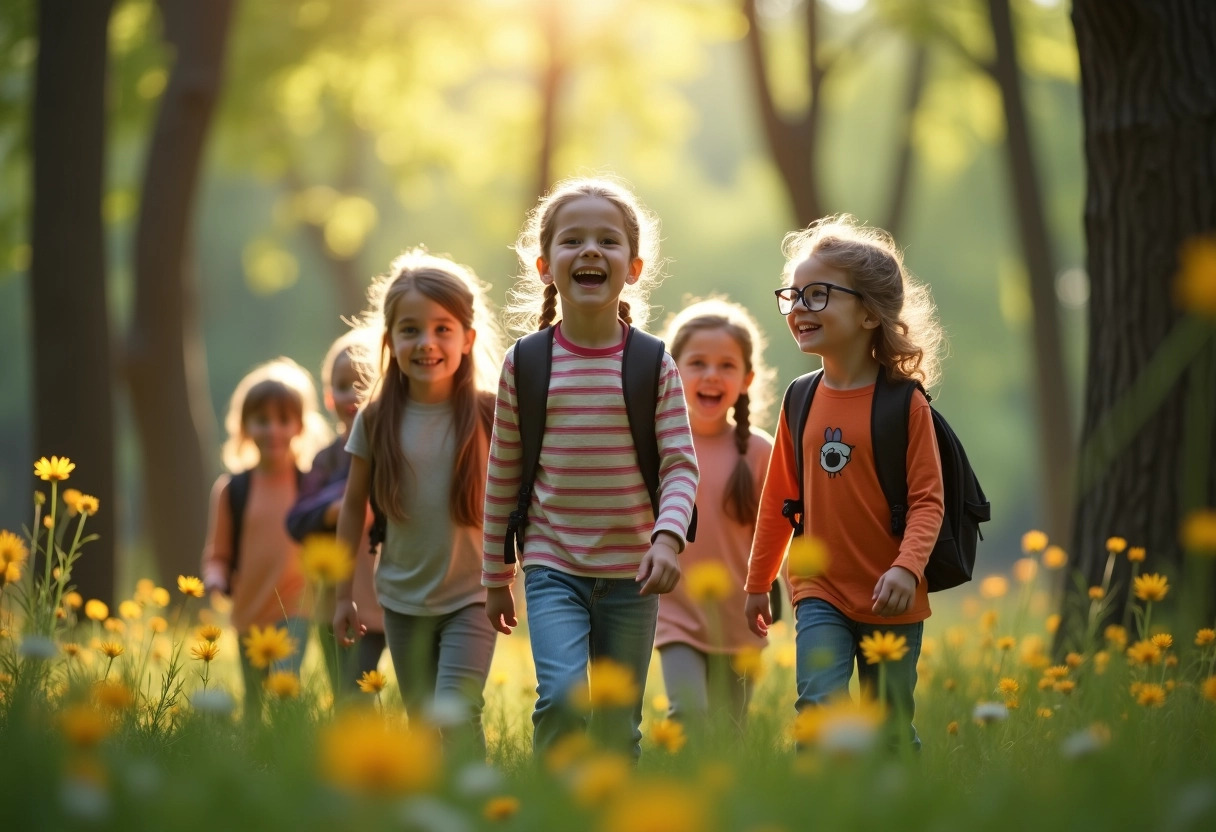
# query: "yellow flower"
{"type": "Point", "coordinates": [83, 725]}
{"type": "Point", "coordinates": [571, 749]}
{"type": "Point", "coordinates": [1116, 635]}
{"type": "Point", "coordinates": [952, 727]}
{"type": "Point", "coordinates": [55, 468]}
{"type": "Point", "coordinates": [88, 504]}
{"type": "Point", "coordinates": [808, 557]}
{"type": "Point", "coordinates": [1115, 544]}
{"type": "Point", "coordinates": [1205, 637]}
{"type": "Point", "coordinates": [1163, 640]}
{"type": "Point", "coordinates": [988, 620]}
{"type": "Point", "coordinates": [205, 651]}
{"type": "Point", "coordinates": [599, 778]}
{"type": "Point", "coordinates": [112, 695]}
{"type": "Point", "coordinates": [1198, 530]}
{"type": "Point", "coordinates": [1096, 593]}
{"type": "Point", "coordinates": [160, 597]}
{"type": "Point", "coordinates": [748, 663]}
{"type": "Point", "coordinates": [883, 647]}
{"type": "Point", "coordinates": [1195, 283]}
{"type": "Point", "coordinates": [658, 805]}
{"type": "Point", "coordinates": [372, 681]}
{"type": "Point", "coordinates": [363, 752]}
{"type": "Point", "coordinates": [1006, 643]}
{"type": "Point", "coordinates": [1024, 569]}
{"type": "Point", "coordinates": [283, 684]}
{"type": "Point", "coordinates": [994, 586]}
{"type": "Point", "coordinates": [1008, 686]}
{"type": "Point", "coordinates": [209, 632]}
{"type": "Point", "coordinates": [1052, 623]}
{"type": "Point", "coordinates": [190, 585]}
{"type": "Point", "coordinates": [12, 549]}
{"type": "Point", "coordinates": [1150, 695]}
{"type": "Point", "coordinates": [73, 600]}
{"type": "Point", "coordinates": [949, 685]}
{"type": "Point", "coordinates": [130, 610]}
{"type": "Point", "coordinates": [114, 625]}
{"type": "Point", "coordinates": [111, 649]}
{"type": "Point", "coordinates": [326, 560]}
{"type": "Point", "coordinates": [1101, 660]}
{"type": "Point", "coordinates": [71, 499]}
{"type": "Point", "coordinates": [1058, 671]}
{"type": "Point", "coordinates": [1144, 652]}
{"type": "Point", "coordinates": [1034, 541]}
{"type": "Point", "coordinates": [668, 735]}
{"type": "Point", "coordinates": [1074, 660]}
{"type": "Point", "coordinates": [48, 522]}
{"type": "Point", "coordinates": [500, 808]}
{"type": "Point", "coordinates": [70, 649]}
{"type": "Point", "coordinates": [708, 581]}
{"type": "Point", "coordinates": [1045, 713]}
{"type": "Point", "coordinates": [1209, 688]}
{"type": "Point", "coordinates": [1151, 587]}
{"type": "Point", "coordinates": [1136, 554]}
{"type": "Point", "coordinates": [157, 624]}
{"type": "Point", "coordinates": [96, 610]}
{"type": "Point", "coordinates": [609, 685]}
{"type": "Point", "coordinates": [1065, 686]}
{"type": "Point", "coordinates": [1054, 557]}
{"type": "Point", "coordinates": [841, 725]}
{"type": "Point", "coordinates": [263, 646]}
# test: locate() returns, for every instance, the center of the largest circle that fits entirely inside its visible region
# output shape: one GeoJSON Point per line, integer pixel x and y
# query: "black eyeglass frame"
{"type": "Point", "coordinates": [799, 295]}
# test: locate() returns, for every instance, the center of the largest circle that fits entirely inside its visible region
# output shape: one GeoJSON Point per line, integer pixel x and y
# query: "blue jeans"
{"type": "Point", "coordinates": [573, 620]}
{"type": "Point", "coordinates": [298, 628]}
{"type": "Point", "coordinates": [828, 644]}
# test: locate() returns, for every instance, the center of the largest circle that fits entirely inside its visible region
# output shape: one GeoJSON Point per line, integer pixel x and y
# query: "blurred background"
{"type": "Point", "coordinates": [344, 132]}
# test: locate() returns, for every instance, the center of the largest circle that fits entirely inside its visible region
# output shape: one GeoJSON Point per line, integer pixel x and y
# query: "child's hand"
{"type": "Point", "coordinates": [500, 609]}
{"type": "Point", "coordinates": [758, 613]}
{"type": "Point", "coordinates": [659, 571]}
{"type": "Point", "coordinates": [894, 592]}
{"type": "Point", "coordinates": [346, 621]}
{"type": "Point", "coordinates": [214, 585]}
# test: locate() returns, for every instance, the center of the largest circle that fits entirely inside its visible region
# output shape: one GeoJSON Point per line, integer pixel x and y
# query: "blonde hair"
{"type": "Point", "coordinates": [531, 304]}
{"type": "Point", "coordinates": [280, 383]}
{"type": "Point", "coordinates": [909, 339]}
{"type": "Point", "coordinates": [457, 289]}
{"type": "Point", "coordinates": [740, 500]}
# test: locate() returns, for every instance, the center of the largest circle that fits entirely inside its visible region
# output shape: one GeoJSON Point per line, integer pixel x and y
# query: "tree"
{"type": "Point", "coordinates": [73, 410]}
{"type": "Point", "coordinates": [1148, 83]}
{"type": "Point", "coordinates": [164, 358]}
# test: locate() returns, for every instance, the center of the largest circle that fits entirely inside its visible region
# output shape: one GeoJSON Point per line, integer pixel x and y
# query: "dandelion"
{"type": "Point", "coordinates": [1205, 637]}
{"type": "Point", "coordinates": [1052, 623]}
{"type": "Point", "coordinates": [993, 587]}
{"type": "Point", "coordinates": [609, 685]}
{"type": "Point", "coordinates": [205, 651]}
{"type": "Point", "coordinates": [326, 560]}
{"type": "Point", "coordinates": [265, 645]}
{"type": "Point", "coordinates": [568, 751]}
{"type": "Point", "coordinates": [73, 600]}
{"type": "Point", "coordinates": [1064, 686]}
{"type": "Point", "coordinates": [1054, 557]}
{"type": "Point", "coordinates": [160, 597]}
{"type": "Point", "coordinates": [372, 681]}
{"type": "Point", "coordinates": [1198, 531]}
{"type": "Point", "coordinates": [1074, 660]}
{"type": "Point", "coordinates": [1115, 545]}
{"type": "Point", "coordinates": [1034, 541]}
{"type": "Point", "coordinates": [283, 684]}
{"type": "Point", "coordinates": [952, 727]}
{"type": "Point", "coordinates": [1164, 641]}
{"type": "Point", "coordinates": [841, 725]}
{"type": "Point", "coordinates": [130, 610]}
{"type": "Point", "coordinates": [668, 735]}
{"type": "Point", "coordinates": [658, 806]}
{"type": "Point", "coordinates": [1195, 283]}
{"type": "Point", "coordinates": [71, 649]}
{"type": "Point", "coordinates": [1045, 713]}
{"type": "Point", "coordinates": [1006, 643]}
{"type": "Point", "coordinates": [96, 610]}
{"type": "Point", "coordinates": [83, 725]}
{"type": "Point", "coordinates": [190, 585]}
{"type": "Point", "coordinates": [1151, 587]}
{"type": "Point", "coordinates": [988, 620]}
{"type": "Point", "coordinates": [115, 625]}
{"type": "Point", "coordinates": [209, 632]}
{"type": "Point", "coordinates": [12, 549]}
{"type": "Point", "coordinates": [55, 469]}
{"type": "Point", "coordinates": [1209, 688]}
{"type": "Point", "coordinates": [111, 649]}
{"type": "Point", "coordinates": [748, 663]}
{"type": "Point", "coordinates": [1144, 652]}
{"type": "Point", "coordinates": [883, 647]}
{"type": "Point", "coordinates": [949, 685]}
{"type": "Point", "coordinates": [88, 505]}
{"type": "Point", "coordinates": [708, 581]}
{"type": "Point", "coordinates": [599, 778]}
{"type": "Point", "coordinates": [1150, 695]}
{"type": "Point", "coordinates": [71, 499]}
{"type": "Point", "coordinates": [112, 695]}
{"type": "Point", "coordinates": [808, 557]}
{"type": "Point", "coordinates": [1096, 593]}
{"type": "Point", "coordinates": [1024, 569]}
{"type": "Point", "coordinates": [1007, 686]}
{"type": "Point", "coordinates": [1101, 660]}
{"type": "Point", "coordinates": [1136, 554]}
{"type": "Point", "coordinates": [500, 808]}
{"type": "Point", "coordinates": [366, 753]}
{"type": "Point", "coordinates": [1116, 635]}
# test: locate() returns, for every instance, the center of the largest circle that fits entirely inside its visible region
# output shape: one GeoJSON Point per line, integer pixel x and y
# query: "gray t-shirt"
{"type": "Point", "coordinates": [428, 565]}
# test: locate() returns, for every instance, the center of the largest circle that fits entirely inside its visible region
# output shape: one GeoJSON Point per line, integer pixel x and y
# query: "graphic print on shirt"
{"type": "Point", "coordinates": [834, 454]}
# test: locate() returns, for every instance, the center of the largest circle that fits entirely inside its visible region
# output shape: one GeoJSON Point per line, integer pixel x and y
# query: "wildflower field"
{"type": "Point", "coordinates": [129, 719]}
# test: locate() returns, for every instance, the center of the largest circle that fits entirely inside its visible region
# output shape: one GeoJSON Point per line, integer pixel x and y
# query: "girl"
{"type": "Point", "coordinates": [595, 553]}
{"type": "Point", "coordinates": [849, 300]}
{"type": "Point", "coordinates": [717, 348]}
{"type": "Point", "coordinates": [273, 431]}
{"type": "Point", "coordinates": [418, 451]}
{"type": "Point", "coordinates": [316, 512]}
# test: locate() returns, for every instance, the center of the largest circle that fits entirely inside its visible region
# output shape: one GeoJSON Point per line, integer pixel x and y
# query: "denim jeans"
{"type": "Point", "coordinates": [573, 620]}
{"type": "Point", "coordinates": [349, 662]}
{"type": "Point", "coordinates": [828, 643]}
{"type": "Point", "coordinates": [298, 628]}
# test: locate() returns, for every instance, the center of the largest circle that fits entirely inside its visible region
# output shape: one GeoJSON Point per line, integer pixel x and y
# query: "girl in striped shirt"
{"type": "Point", "coordinates": [595, 555]}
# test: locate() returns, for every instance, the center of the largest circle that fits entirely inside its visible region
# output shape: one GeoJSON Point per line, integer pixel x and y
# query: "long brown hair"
{"type": "Point", "coordinates": [740, 500]}
{"type": "Point", "coordinates": [456, 289]}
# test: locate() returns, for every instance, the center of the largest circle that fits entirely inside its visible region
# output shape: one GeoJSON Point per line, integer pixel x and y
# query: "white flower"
{"type": "Point", "coordinates": [38, 647]}
{"type": "Point", "coordinates": [215, 701]}
{"type": "Point", "coordinates": [1084, 743]}
{"type": "Point", "coordinates": [429, 814]}
{"type": "Point", "coordinates": [848, 734]}
{"type": "Point", "coordinates": [989, 712]}
{"type": "Point", "coordinates": [448, 711]}
{"type": "Point", "coordinates": [478, 780]}
{"type": "Point", "coordinates": [84, 800]}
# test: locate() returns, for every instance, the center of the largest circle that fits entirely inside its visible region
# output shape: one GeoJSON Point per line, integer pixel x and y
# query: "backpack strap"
{"type": "Point", "coordinates": [533, 366]}
{"type": "Point", "coordinates": [889, 436]}
{"type": "Point", "coordinates": [797, 406]}
{"type": "Point", "coordinates": [238, 501]}
{"type": "Point", "coordinates": [376, 534]}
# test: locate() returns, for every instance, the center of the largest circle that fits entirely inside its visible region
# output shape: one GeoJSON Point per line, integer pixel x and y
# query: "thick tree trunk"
{"type": "Point", "coordinates": [550, 87]}
{"type": "Point", "coordinates": [73, 411]}
{"type": "Point", "coordinates": [1148, 84]}
{"type": "Point", "coordinates": [165, 353]}
{"type": "Point", "coordinates": [1056, 449]}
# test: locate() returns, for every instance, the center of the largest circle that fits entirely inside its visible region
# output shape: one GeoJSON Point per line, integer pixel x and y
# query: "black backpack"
{"type": "Point", "coordinates": [953, 558]}
{"type": "Point", "coordinates": [641, 367]}
{"type": "Point", "coordinates": [238, 498]}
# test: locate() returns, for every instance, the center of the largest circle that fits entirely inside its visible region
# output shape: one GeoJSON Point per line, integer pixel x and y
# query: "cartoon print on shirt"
{"type": "Point", "coordinates": [834, 454]}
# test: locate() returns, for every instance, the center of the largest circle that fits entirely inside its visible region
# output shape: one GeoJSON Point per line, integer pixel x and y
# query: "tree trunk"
{"type": "Point", "coordinates": [1056, 450]}
{"type": "Point", "coordinates": [901, 178]}
{"type": "Point", "coordinates": [73, 410]}
{"type": "Point", "coordinates": [165, 359]}
{"type": "Point", "coordinates": [1148, 85]}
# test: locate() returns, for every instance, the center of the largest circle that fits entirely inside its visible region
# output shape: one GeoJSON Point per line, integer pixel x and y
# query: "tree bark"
{"type": "Point", "coordinates": [1148, 86]}
{"type": "Point", "coordinates": [1056, 449]}
{"type": "Point", "coordinates": [550, 87]}
{"type": "Point", "coordinates": [73, 406]}
{"type": "Point", "coordinates": [165, 358]}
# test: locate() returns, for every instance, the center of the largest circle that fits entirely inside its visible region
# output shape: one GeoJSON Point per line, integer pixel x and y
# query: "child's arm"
{"type": "Point", "coordinates": [351, 520]}
{"type": "Point", "coordinates": [659, 571]}
{"type": "Point", "coordinates": [502, 482]}
{"type": "Point", "coordinates": [217, 551]}
{"type": "Point", "coordinates": [773, 530]}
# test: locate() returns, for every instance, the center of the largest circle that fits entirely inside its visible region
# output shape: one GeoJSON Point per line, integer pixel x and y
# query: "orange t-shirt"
{"type": "Point", "coordinates": [845, 506]}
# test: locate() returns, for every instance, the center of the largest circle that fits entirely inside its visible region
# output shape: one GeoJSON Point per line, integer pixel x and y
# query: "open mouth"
{"type": "Point", "coordinates": [806, 327]}
{"type": "Point", "coordinates": [709, 400]}
{"type": "Point", "coordinates": [590, 278]}
{"type": "Point", "coordinates": [428, 362]}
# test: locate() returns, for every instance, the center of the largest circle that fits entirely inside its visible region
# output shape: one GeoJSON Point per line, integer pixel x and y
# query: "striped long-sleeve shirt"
{"type": "Point", "coordinates": [590, 513]}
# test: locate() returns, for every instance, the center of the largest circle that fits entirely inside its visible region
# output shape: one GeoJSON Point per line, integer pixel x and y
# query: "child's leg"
{"type": "Point", "coordinates": [622, 629]}
{"type": "Point", "coordinates": [298, 628]}
{"type": "Point", "coordinates": [339, 662]}
{"type": "Point", "coordinates": [559, 626]}
{"type": "Point", "coordinates": [411, 643]}
{"type": "Point", "coordinates": [686, 676]}
{"type": "Point", "coordinates": [900, 678]}
{"type": "Point", "coordinates": [730, 692]}
{"type": "Point", "coordinates": [827, 647]}
{"type": "Point", "coordinates": [466, 648]}
{"type": "Point", "coordinates": [369, 649]}
{"type": "Point", "coordinates": [253, 678]}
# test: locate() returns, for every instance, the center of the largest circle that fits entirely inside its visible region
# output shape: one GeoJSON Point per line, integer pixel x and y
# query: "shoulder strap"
{"type": "Point", "coordinates": [533, 366]}
{"type": "Point", "coordinates": [376, 534]}
{"type": "Point", "coordinates": [889, 436]}
{"type": "Point", "coordinates": [641, 366]}
{"type": "Point", "coordinates": [238, 498]}
{"type": "Point", "coordinates": [797, 406]}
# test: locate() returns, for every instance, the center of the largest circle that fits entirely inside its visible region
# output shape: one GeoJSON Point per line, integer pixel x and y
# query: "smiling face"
{"type": "Point", "coordinates": [428, 343]}
{"type": "Point", "coordinates": [590, 259]}
{"type": "Point", "coordinates": [714, 373]}
{"type": "Point", "coordinates": [343, 394]}
{"type": "Point", "coordinates": [841, 327]}
{"type": "Point", "coordinates": [271, 428]}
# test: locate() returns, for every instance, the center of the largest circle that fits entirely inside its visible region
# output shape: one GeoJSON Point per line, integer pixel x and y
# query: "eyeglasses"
{"type": "Point", "coordinates": [814, 296]}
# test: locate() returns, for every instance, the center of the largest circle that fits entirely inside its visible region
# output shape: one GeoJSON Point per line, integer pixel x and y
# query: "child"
{"type": "Point", "coordinates": [316, 512]}
{"type": "Point", "coordinates": [595, 553]}
{"type": "Point", "coordinates": [849, 300]}
{"type": "Point", "coordinates": [718, 350]}
{"type": "Point", "coordinates": [273, 431]}
{"type": "Point", "coordinates": [418, 451]}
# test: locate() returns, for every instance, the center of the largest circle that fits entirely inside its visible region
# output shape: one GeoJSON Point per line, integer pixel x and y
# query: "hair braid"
{"type": "Point", "coordinates": [623, 312]}
{"type": "Point", "coordinates": [739, 501]}
{"type": "Point", "coordinates": [548, 309]}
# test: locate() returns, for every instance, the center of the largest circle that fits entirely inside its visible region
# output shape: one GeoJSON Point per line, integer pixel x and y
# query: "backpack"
{"type": "Point", "coordinates": [953, 557]}
{"type": "Point", "coordinates": [641, 366]}
{"type": "Point", "coordinates": [238, 498]}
